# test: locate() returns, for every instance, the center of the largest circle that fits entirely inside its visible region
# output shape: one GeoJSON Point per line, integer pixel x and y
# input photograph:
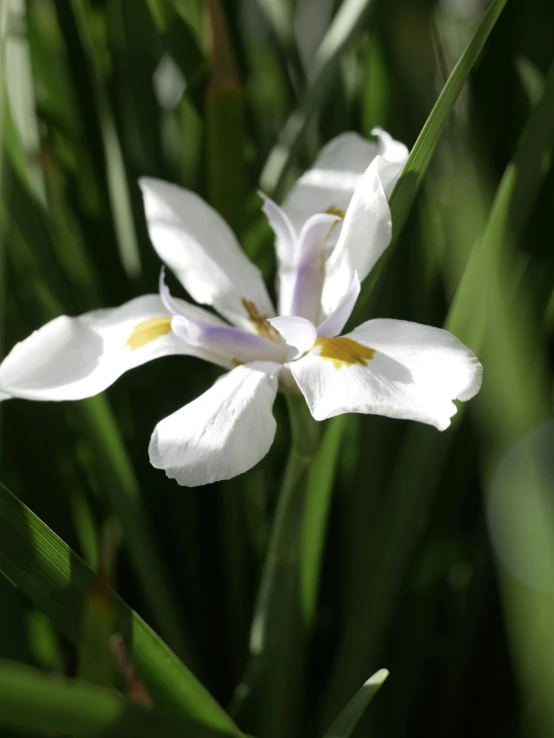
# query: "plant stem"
{"type": "Point", "coordinates": [269, 694]}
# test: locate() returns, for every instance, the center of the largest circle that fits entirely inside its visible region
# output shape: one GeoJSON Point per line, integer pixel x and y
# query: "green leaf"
{"type": "Point", "coordinates": [121, 487]}
{"type": "Point", "coordinates": [278, 635]}
{"type": "Point", "coordinates": [406, 189]}
{"type": "Point", "coordinates": [314, 524]}
{"type": "Point", "coordinates": [181, 42]}
{"type": "Point", "coordinates": [345, 24]}
{"type": "Point", "coordinates": [57, 581]}
{"type": "Point", "coordinates": [39, 262]}
{"type": "Point", "coordinates": [224, 115]}
{"type": "Point", "coordinates": [344, 725]}
{"type": "Point", "coordinates": [116, 175]}
{"type": "Point", "coordinates": [492, 279]}
{"type": "Point", "coordinates": [53, 705]}
{"type": "Point", "coordinates": [95, 660]}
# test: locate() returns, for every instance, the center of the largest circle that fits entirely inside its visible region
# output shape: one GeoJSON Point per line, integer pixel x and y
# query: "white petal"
{"type": "Point", "coordinates": [331, 181]}
{"type": "Point", "coordinates": [389, 148]}
{"type": "Point", "coordinates": [299, 333]}
{"type": "Point", "coordinates": [285, 235]}
{"type": "Point", "coordinates": [224, 432]}
{"type": "Point", "coordinates": [286, 248]}
{"type": "Point", "coordinates": [73, 358]}
{"type": "Point", "coordinates": [415, 374]}
{"type": "Point", "coordinates": [335, 322]}
{"type": "Point", "coordinates": [366, 232]}
{"type": "Point", "coordinates": [306, 276]}
{"type": "Point", "coordinates": [197, 244]}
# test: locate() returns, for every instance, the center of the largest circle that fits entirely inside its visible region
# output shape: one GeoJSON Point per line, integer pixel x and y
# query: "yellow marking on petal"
{"type": "Point", "coordinates": [147, 331]}
{"type": "Point", "coordinates": [344, 351]}
{"type": "Point", "coordinates": [259, 321]}
{"type": "Point", "coordinates": [339, 212]}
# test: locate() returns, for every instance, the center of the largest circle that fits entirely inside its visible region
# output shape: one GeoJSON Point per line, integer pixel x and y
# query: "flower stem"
{"type": "Point", "coordinates": [270, 693]}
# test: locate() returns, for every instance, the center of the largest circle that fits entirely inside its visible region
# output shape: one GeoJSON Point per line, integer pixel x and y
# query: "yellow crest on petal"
{"type": "Point", "coordinates": [259, 322]}
{"type": "Point", "coordinates": [147, 331]}
{"type": "Point", "coordinates": [344, 351]}
{"type": "Point", "coordinates": [333, 210]}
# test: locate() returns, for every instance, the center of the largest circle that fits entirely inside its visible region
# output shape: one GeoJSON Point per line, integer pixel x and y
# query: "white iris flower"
{"type": "Point", "coordinates": [332, 228]}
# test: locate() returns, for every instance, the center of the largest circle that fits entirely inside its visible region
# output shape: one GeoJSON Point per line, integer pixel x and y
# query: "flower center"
{"type": "Point", "coordinates": [259, 321]}
{"type": "Point", "coordinates": [344, 351]}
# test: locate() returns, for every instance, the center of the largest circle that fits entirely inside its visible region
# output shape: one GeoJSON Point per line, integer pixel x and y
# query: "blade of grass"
{"type": "Point", "coordinates": [407, 187]}
{"type": "Point", "coordinates": [479, 309]}
{"type": "Point", "coordinates": [123, 492]}
{"type": "Point", "coordinates": [405, 191]}
{"type": "Point", "coordinates": [344, 26]}
{"type": "Point", "coordinates": [346, 723]}
{"type": "Point", "coordinates": [57, 581]}
{"type": "Point", "coordinates": [95, 661]}
{"type": "Point", "coordinates": [16, 73]}
{"type": "Point", "coordinates": [224, 124]}
{"type": "Point", "coordinates": [278, 635]}
{"type": "Point", "coordinates": [46, 705]}
{"type": "Point", "coordinates": [181, 42]}
{"type": "Point", "coordinates": [316, 513]}
{"type": "Point", "coordinates": [515, 197]}
{"type": "Point", "coordinates": [114, 466]}
{"type": "Point", "coordinates": [118, 187]}
{"type": "Point", "coordinates": [280, 15]}
{"type": "Point", "coordinates": [3, 177]}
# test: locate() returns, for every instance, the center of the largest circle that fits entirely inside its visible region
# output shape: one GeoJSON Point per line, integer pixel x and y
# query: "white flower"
{"type": "Point", "coordinates": [332, 228]}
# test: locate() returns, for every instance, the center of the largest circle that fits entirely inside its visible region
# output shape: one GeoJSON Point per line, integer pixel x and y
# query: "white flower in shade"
{"type": "Point", "coordinates": [332, 228]}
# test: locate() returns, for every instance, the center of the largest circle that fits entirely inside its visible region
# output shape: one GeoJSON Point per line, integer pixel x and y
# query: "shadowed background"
{"type": "Point", "coordinates": [438, 547]}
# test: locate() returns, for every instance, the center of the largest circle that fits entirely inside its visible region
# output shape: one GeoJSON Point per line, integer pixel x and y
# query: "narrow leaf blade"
{"type": "Point", "coordinates": [344, 725]}
{"type": "Point", "coordinates": [57, 581]}
{"type": "Point", "coordinates": [404, 193]}
{"type": "Point", "coordinates": [46, 705]}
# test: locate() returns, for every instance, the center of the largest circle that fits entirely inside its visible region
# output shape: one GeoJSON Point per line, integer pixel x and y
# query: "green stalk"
{"type": "Point", "coordinates": [122, 491]}
{"type": "Point", "coordinates": [273, 677]}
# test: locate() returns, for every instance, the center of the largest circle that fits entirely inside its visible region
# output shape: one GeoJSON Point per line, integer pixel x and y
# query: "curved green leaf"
{"type": "Point", "coordinates": [404, 193]}
{"type": "Point", "coordinates": [345, 24]}
{"type": "Point", "coordinates": [314, 524]}
{"type": "Point", "coordinates": [56, 580]}
{"type": "Point", "coordinates": [407, 187]}
{"type": "Point", "coordinates": [344, 725]}
{"type": "Point", "coordinates": [53, 705]}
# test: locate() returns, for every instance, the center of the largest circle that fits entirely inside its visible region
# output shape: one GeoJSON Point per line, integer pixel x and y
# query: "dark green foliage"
{"type": "Point", "coordinates": [398, 566]}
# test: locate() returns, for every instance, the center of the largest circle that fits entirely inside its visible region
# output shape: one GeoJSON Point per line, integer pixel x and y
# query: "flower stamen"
{"type": "Point", "coordinates": [259, 322]}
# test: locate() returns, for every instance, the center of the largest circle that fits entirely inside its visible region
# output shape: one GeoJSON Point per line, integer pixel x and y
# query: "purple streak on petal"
{"type": "Point", "coordinates": [224, 340]}
{"type": "Point", "coordinates": [234, 343]}
{"type": "Point", "coordinates": [308, 279]}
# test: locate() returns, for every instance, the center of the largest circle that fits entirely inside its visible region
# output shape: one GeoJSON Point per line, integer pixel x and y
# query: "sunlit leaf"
{"type": "Point", "coordinates": [52, 705]}
{"type": "Point", "coordinates": [57, 581]}
{"type": "Point", "coordinates": [344, 725]}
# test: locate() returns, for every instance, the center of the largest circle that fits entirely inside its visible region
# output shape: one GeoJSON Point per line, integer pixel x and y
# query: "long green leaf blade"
{"type": "Point", "coordinates": [345, 24]}
{"type": "Point", "coordinates": [46, 705]}
{"type": "Point", "coordinates": [344, 725]}
{"type": "Point", "coordinates": [316, 514]}
{"type": "Point", "coordinates": [406, 189]}
{"type": "Point", "coordinates": [56, 580]}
